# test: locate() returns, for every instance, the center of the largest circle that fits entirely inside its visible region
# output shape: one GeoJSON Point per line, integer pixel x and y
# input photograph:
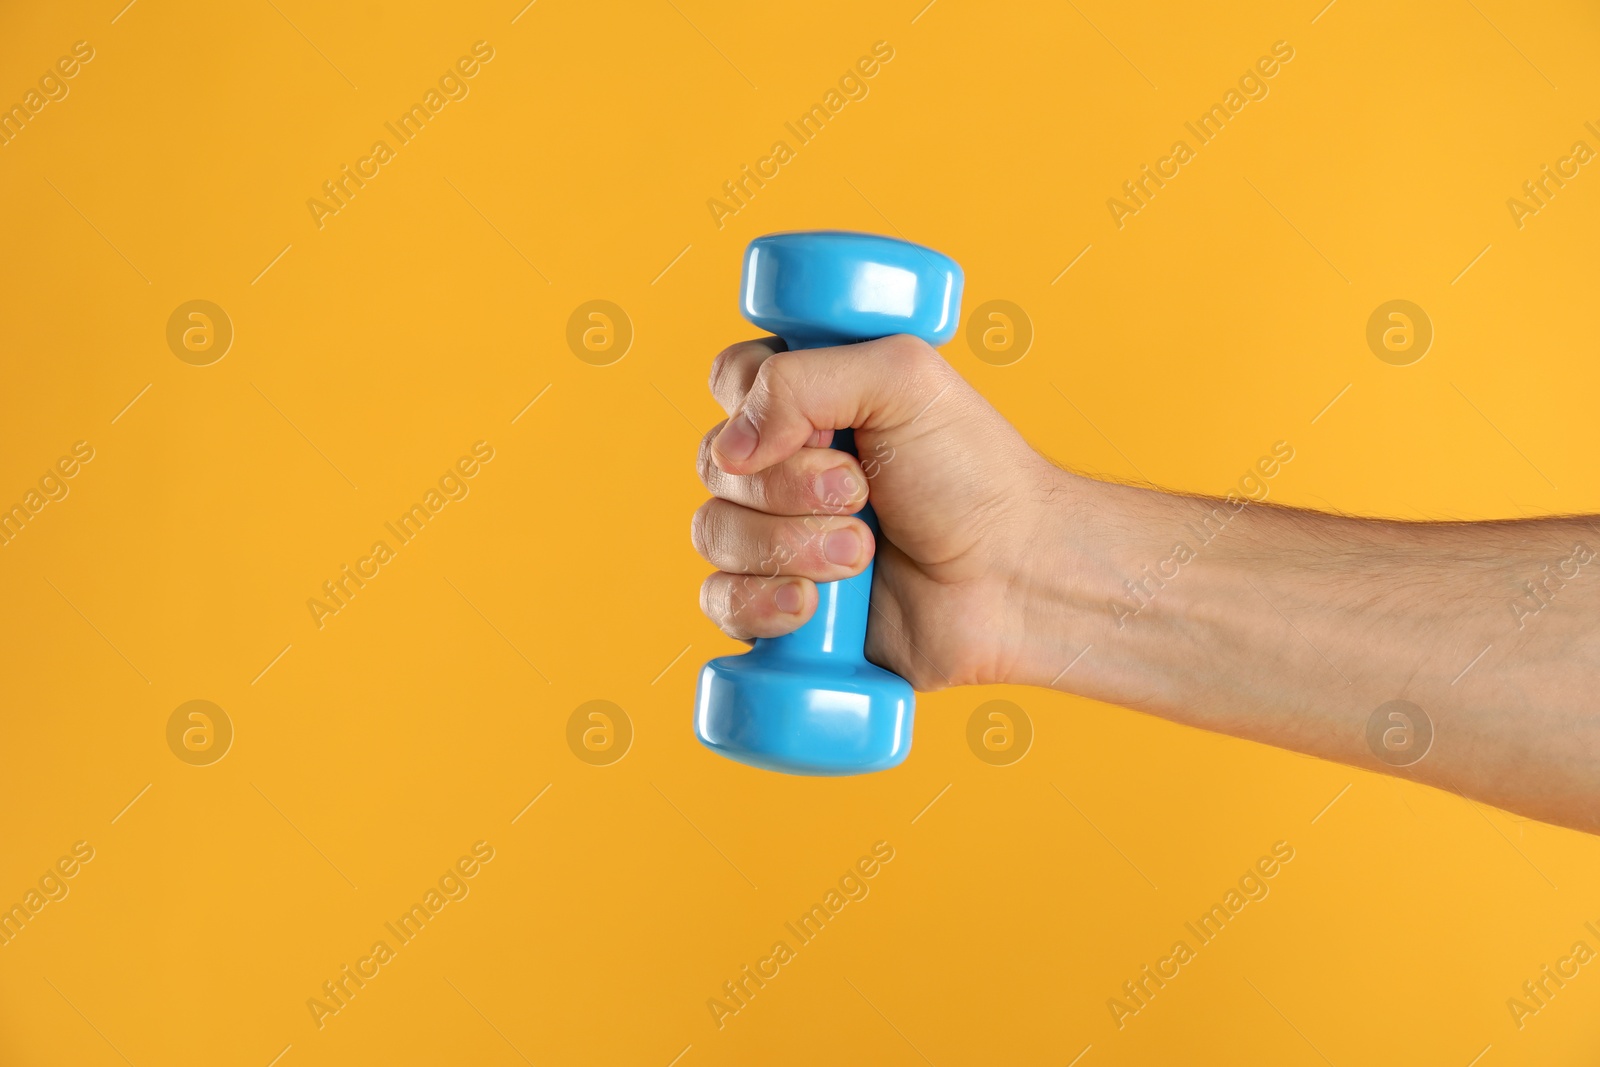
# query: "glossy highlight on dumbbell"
{"type": "Point", "coordinates": [809, 702]}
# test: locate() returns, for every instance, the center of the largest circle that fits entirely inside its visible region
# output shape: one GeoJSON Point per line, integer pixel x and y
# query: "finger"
{"type": "Point", "coordinates": [877, 385]}
{"type": "Point", "coordinates": [746, 606]}
{"type": "Point", "coordinates": [824, 548]}
{"type": "Point", "coordinates": [734, 370]}
{"type": "Point", "coordinates": [813, 481]}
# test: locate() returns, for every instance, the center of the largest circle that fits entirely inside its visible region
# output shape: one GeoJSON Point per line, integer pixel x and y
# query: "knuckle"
{"type": "Point", "coordinates": [908, 351]}
{"type": "Point", "coordinates": [705, 462]}
{"type": "Point", "coordinates": [733, 363]}
{"type": "Point", "coordinates": [722, 363]}
{"type": "Point", "coordinates": [779, 363]}
{"type": "Point", "coordinates": [916, 362]}
{"type": "Point", "coordinates": [713, 594]}
{"type": "Point", "coordinates": [757, 489]}
{"type": "Point", "coordinates": [699, 534]}
{"type": "Point", "coordinates": [720, 599]}
{"type": "Point", "coordinates": [736, 540]}
{"type": "Point", "coordinates": [918, 366]}
{"type": "Point", "coordinates": [778, 375]}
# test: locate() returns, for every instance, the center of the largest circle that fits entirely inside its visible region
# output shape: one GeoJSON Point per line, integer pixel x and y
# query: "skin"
{"type": "Point", "coordinates": [1280, 625]}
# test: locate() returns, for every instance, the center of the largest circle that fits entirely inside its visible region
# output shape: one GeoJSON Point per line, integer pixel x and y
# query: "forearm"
{"type": "Point", "coordinates": [1293, 627]}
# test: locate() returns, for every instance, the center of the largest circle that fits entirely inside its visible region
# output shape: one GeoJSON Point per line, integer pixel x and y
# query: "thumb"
{"type": "Point", "coordinates": [801, 395]}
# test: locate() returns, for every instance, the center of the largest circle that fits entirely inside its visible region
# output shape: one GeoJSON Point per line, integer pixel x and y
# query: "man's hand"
{"type": "Point", "coordinates": [960, 497]}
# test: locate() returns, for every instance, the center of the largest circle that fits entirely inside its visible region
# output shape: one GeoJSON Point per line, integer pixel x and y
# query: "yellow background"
{"type": "Point", "coordinates": [377, 349]}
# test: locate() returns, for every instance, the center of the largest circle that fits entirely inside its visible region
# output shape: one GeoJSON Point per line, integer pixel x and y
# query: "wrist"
{"type": "Point", "coordinates": [1088, 539]}
{"type": "Point", "coordinates": [1126, 582]}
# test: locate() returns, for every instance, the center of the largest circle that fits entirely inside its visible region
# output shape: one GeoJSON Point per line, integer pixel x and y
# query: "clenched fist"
{"type": "Point", "coordinates": [961, 502]}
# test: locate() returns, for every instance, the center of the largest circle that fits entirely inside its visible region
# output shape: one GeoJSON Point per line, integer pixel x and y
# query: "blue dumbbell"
{"type": "Point", "coordinates": [809, 702]}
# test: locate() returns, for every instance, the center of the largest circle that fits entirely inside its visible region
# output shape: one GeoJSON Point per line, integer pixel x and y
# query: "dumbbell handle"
{"type": "Point", "coordinates": [839, 625]}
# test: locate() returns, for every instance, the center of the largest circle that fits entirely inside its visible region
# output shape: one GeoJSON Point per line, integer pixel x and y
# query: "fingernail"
{"type": "Point", "coordinates": [842, 547]}
{"type": "Point", "coordinates": [788, 598]}
{"type": "Point", "coordinates": [737, 439]}
{"type": "Point", "coordinates": [837, 487]}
